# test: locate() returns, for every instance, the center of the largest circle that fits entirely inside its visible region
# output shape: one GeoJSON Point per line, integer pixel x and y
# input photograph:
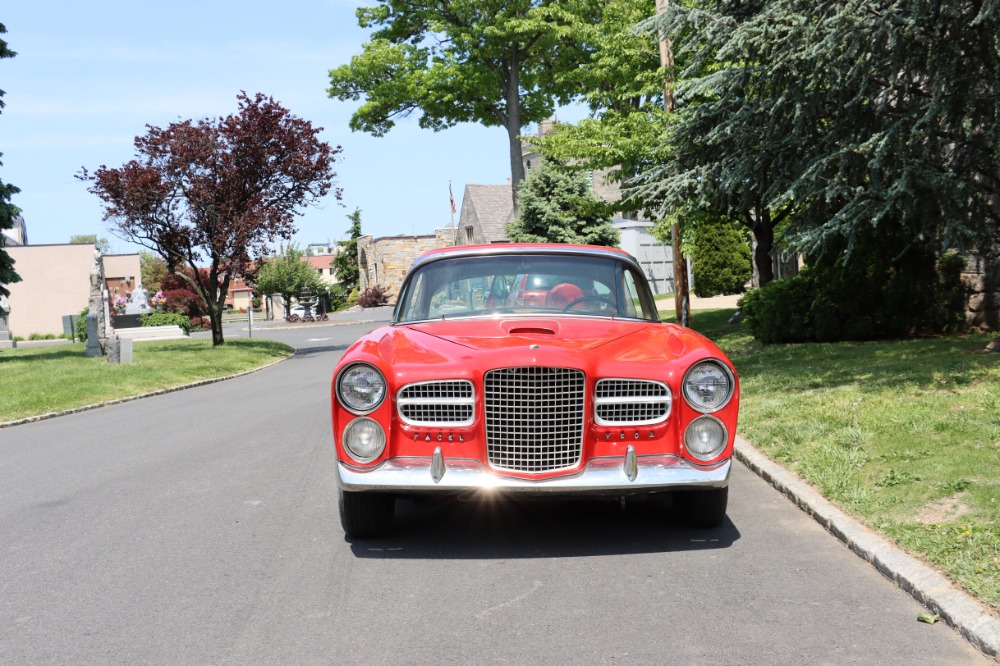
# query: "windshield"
{"type": "Point", "coordinates": [524, 284]}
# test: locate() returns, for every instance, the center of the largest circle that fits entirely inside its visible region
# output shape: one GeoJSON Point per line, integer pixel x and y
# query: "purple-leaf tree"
{"type": "Point", "coordinates": [214, 194]}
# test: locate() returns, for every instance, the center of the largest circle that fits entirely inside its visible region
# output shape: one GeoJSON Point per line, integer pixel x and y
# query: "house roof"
{"type": "Point", "coordinates": [494, 208]}
{"type": "Point", "coordinates": [319, 260]}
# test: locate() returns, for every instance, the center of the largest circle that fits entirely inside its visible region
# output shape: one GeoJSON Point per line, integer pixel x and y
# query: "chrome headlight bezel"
{"type": "Point", "coordinates": [714, 453]}
{"type": "Point", "coordinates": [701, 407]}
{"type": "Point", "coordinates": [360, 408]}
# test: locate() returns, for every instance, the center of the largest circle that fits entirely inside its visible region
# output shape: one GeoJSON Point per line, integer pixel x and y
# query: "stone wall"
{"type": "Point", "coordinates": [385, 261]}
{"type": "Point", "coordinates": [982, 282]}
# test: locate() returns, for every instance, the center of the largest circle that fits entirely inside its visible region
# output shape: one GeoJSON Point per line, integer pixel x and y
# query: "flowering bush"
{"type": "Point", "coordinates": [120, 303]}
{"type": "Point", "coordinates": [158, 300]}
{"type": "Point", "coordinates": [373, 297]}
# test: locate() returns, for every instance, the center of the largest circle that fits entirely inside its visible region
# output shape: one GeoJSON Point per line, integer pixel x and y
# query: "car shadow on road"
{"type": "Point", "coordinates": [515, 529]}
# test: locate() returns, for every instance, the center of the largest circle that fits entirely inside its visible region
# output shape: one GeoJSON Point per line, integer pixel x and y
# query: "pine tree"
{"type": "Point", "coordinates": [558, 206]}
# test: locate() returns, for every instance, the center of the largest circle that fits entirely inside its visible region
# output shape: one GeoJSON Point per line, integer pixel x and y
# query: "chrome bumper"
{"type": "Point", "coordinates": [618, 475]}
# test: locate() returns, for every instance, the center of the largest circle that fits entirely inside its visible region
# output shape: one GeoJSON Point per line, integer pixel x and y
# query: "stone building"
{"type": "Point", "coordinates": [385, 261]}
{"type": "Point", "coordinates": [485, 211]}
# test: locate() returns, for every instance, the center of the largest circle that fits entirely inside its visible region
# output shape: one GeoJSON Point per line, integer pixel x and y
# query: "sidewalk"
{"type": "Point", "coordinates": [714, 303]}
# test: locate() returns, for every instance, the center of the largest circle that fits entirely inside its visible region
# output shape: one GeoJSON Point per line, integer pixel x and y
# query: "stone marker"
{"type": "Point", "coordinates": [93, 343]}
{"type": "Point", "coordinates": [6, 341]}
{"type": "Point", "coordinates": [113, 349]}
{"type": "Point", "coordinates": [125, 349]}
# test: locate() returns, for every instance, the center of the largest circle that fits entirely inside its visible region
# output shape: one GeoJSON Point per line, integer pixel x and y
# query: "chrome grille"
{"type": "Point", "coordinates": [437, 403]}
{"type": "Point", "coordinates": [534, 418]}
{"type": "Point", "coordinates": [631, 402]}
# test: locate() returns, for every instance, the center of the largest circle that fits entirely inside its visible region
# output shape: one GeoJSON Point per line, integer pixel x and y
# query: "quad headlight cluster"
{"type": "Point", "coordinates": [361, 388]}
{"type": "Point", "coordinates": [707, 387]}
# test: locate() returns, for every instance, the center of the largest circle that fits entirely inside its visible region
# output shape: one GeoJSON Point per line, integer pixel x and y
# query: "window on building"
{"type": "Point", "coordinates": [469, 235]}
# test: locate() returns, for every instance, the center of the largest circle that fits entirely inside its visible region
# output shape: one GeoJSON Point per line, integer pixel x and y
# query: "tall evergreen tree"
{"type": "Point", "coordinates": [558, 206]}
{"type": "Point", "coordinates": [345, 262]}
{"type": "Point", "coordinates": [843, 118]}
{"type": "Point", "coordinates": [8, 211]}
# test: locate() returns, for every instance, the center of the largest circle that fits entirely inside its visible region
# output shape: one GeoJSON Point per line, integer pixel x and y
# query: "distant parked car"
{"type": "Point", "coordinates": [300, 310]}
{"type": "Point", "coordinates": [531, 370]}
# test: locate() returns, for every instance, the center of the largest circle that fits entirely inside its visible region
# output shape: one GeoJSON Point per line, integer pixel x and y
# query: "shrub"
{"type": "Point", "coordinates": [200, 323]}
{"type": "Point", "coordinates": [42, 336]}
{"type": "Point", "coordinates": [373, 297]}
{"type": "Point", "coordinates": [81, 324]}
{"type": "Point", "coordinates": [352, 298]}
{"type": "Point", "coordinates": [780, 311]}
{"type": "Point", "coordinates": [167, 319]}
{"type": "Point", "coordinates": [879, 292]}
{"type": "Point", "coordinates": [721, 259]}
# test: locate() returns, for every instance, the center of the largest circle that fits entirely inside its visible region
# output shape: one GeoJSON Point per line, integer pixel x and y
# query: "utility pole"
{"type": "Point", "coordinates": [682, 300]}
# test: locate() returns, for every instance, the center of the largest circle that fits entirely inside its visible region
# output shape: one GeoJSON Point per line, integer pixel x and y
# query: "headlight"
{"type": "Point", "coordinates": [364, 439]}
{"type": "Point", "coordinates": [708, 386]}
{"type": "Point", "coordinates": [361, 388]}
{"type": "Point", "coordinates": [705, 437]}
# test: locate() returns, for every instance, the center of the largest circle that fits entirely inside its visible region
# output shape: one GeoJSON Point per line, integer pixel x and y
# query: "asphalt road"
{"type": "Point", "coordinates": [200, 527]}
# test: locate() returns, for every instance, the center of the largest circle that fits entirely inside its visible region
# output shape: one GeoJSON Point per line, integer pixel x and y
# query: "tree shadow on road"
{"type": "Point", "coordinates": [514, 528]}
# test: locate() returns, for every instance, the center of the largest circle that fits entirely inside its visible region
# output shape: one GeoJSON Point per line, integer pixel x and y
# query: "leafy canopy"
{"type": "Point", "coordinates": [288, 274]}
{"type": "Point", "coordinates": [497, 63]}
{"type": "Point", "coordinates": [103, 246]}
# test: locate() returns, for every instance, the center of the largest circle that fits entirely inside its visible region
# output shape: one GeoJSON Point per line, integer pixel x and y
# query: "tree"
{"type": "Point", "coordinates": [345, 262]}
{"type": "Point", "coordinates": [862, 122]}
{"type": "Point", "coordinates": [288, 275]}
{"type": "Point", "coordinates": [153, 270]}
{"type": "Point", "coordinates": [721, 256]}
{"type": "Point", "coordinates": [8, 211]}
{"type": "Point", "coordinates": [500, 64]}
{"type": "Point", "coordinates": [622, 84]}
{"type": "Point", "coordinates": [558, 206]}
{"type": "Point", "coordinates": [218, 192]}
{"type": "Point", "coordinates": [103, 246]}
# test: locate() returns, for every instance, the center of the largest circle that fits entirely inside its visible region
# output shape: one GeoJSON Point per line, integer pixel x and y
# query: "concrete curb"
{"type": "Point", "coordinates": [962, 611]}
{"type": "Point", "coordinates": [172, 389]}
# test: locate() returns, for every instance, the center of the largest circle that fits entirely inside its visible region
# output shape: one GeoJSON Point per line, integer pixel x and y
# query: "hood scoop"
{"type": "Point", "coordinates": [530, 328]}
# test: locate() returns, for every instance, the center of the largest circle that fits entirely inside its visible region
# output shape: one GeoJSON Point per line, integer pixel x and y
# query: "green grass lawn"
{"type": "Point", "coordinates": [904, 435]}
{"type": "Point", "coordinates": [40, 380]}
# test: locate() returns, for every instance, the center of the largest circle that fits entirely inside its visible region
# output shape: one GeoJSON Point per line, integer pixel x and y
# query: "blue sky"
{"type": "Point", "coordinates": [89, 77]}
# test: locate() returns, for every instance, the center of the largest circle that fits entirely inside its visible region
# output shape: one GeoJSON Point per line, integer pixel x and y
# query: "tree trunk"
{"type": "Point", "coordinates": [216, 318]}
{"type": "Point", "coordinates": [763, 233]}
{"type": "Point", "coordinates": [994, 346]}
{"type": "Point", "coordinates": [513, 100]}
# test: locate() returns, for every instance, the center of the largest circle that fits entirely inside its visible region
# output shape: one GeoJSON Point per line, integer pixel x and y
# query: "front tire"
{"type": "Point", "coordinates": [366, 515]}
{"type": "Point", "coordinates": [702, 508]}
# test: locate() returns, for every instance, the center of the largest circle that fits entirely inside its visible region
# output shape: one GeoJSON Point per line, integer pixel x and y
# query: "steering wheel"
{"type": "Point", "coordinates": [600, 299]}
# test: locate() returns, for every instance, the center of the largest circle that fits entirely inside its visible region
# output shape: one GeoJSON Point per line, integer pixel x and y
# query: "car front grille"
{"type": "Point", "coordinates": [631, 402]}
{"type": "Point", "coordinates": [437, 403]}
{"type": "Point", "coordinates": [534, 418]}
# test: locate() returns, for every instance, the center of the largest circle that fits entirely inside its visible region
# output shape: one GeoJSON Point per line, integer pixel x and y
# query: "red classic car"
{"type": "Point", "coordinates": [531, 369]}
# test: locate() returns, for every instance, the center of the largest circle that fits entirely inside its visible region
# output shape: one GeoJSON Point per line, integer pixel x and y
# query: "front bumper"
{"type": "Point", "coordinates": [612, 476]}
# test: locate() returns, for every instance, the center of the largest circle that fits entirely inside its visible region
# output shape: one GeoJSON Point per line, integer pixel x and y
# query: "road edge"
{"type": "Point", "coordinates": [119, 401]}
{"type": "Point", "coordinates": [958, 608]}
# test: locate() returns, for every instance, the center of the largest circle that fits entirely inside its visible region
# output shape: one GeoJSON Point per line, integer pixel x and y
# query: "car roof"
{"type": "Point", "coordinates": [522, 248]}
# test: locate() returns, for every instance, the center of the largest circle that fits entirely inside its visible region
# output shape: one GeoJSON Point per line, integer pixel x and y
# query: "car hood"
{"type": "Point", "coordinates": [430, 348]}
{"type": "Point", "coordinates": [497, 334]}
